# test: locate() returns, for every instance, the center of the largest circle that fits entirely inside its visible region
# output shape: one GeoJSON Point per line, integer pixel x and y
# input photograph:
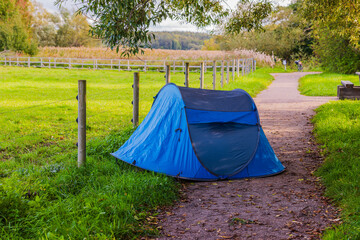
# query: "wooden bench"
{"type": "Point", "coordinates": [347, 90]}
{"type": "Point", "coordinates": [347, 84]}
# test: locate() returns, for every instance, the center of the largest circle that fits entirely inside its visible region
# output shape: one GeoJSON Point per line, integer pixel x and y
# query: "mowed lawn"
{"type": "Point", "coordinates": [43, 195]}
{"type": "Point", "coordinates": [324, 84]}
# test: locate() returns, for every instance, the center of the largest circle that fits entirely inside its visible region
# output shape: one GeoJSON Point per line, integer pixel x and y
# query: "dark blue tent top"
{"type": "Point", "coordinates": [203, 135]}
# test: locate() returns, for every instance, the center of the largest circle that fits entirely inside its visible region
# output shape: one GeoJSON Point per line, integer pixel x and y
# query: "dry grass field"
{"type": "Point", "coordinates": [155, 54]}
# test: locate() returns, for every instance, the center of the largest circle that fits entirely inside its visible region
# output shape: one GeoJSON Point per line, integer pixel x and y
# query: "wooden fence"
{"type": "Point", "coordinates": [244, 66]}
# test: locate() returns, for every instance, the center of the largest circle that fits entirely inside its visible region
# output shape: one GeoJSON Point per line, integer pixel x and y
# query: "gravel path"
{"type": "Point", "coordinates": [286, 206]}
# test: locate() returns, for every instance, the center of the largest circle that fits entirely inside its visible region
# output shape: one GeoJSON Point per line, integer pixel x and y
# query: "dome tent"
{"type": "Point", "coordinates": [201, 135]}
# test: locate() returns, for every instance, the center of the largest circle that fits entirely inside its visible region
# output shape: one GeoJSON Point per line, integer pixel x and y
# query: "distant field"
{"type": "Point", "coordinates": [324, 84]}
{"type": "Point", "coordinates": [155, 54]}
{"type": "Point", "coordinates": [42, 192]}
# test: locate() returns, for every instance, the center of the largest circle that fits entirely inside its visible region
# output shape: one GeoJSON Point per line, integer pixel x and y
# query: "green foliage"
{"type": "Point", "coordinates": [283, 35]}
{"type": "Point", "coordinates": [336, 28]}
{"type": "Point", "coordinates": [66, 29]}
{"type": "Point", "coordinates": [340, 17]}
{"type": "Point", "coordinates": [210, 45]}
{"type": "Point", "coordinates": [324, 84]}
{"type": "Point", "coordinates": [336, 53]}
{"type": "Point", "coordinates": [15, 32]}
{"type": "Point", "coordinates": [337, 127]}
{"type": "Point", "coordinates": [179, 40]}
{"type": "Point", "coordinates": [249, 15]}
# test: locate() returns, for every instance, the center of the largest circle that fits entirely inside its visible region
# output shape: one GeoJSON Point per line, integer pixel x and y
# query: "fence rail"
{"type": "Point", "coordinates": [246, 65]}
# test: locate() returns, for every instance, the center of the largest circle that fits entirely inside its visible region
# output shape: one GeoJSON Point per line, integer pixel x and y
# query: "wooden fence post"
{"type": "Point", "coordinates": [135, 102]}
{"type": "Point", "coordinates": [243, 67]}
{"type": "Point", "coordinates": [255, 65]}
{"type": "Point", "coordinates": [202, 65]}
{"type": "Point", "coordinates": [128, 65]}
{"type": "Point", "coordinates": [174, 68]}
{"type": "Point", "coordinates": [28, 61]}
{"type": "Point", "coordinates": [187, 74]}
{"type": "Point", "coordinates": [227, 71]}
{"type": "Point", "coordinates": [237, 67]}
{"type": "Point", "coordinates": [82, 123]}
{"type": "Point", "coordinates": [69, 63]}
{"type": "Point", "coordinates": [214, 75]}
{"type": "Point", "coordinates": [49, 63]}
{"type": "Point", "coordinates": [222, 73]}
{"type": "Point", "coordinates": [167, 74]}
{"type": "Point", "coordinates": [233, 70]}
{"type": "Point", "coordinates": [144, 65]}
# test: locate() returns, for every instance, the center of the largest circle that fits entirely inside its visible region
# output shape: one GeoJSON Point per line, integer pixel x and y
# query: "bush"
{"type": "Point", "coordinates": [336, 54]}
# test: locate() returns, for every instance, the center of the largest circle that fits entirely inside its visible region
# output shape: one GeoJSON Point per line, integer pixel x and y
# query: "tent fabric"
{"type": "Point", "coordinates": [201, 135]}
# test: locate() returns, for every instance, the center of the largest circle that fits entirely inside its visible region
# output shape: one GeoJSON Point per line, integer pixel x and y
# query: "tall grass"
{"type": "Point", "coordinates": [155, 54]}
{"type": "Point", "coordinates": [337, 129]}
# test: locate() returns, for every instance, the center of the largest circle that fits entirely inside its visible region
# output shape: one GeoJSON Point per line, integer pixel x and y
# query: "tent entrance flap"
{"type": "Point", "coordinates": [224, 149]}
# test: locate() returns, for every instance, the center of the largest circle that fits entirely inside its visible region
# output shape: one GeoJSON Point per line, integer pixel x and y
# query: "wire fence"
{"type": "Point", "coordinates": [41, 133]}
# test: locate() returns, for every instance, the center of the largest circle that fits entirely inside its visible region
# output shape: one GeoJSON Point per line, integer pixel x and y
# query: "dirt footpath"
{"type": "Point", "coordinates": [285, 206]}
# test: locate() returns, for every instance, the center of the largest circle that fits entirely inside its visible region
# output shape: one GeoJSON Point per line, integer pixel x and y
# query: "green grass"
{"type": "Point", "coordinates": [324, 84]}
{"type": "Point", "coordinates": [253, 83]}
{"type": "Point", "coordinates": [43, 195]}
{"type": "Point", "coordinates": [337, 128]}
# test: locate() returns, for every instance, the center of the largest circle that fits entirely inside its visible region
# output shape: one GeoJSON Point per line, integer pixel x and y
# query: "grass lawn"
{"type": "Point", "coordinates": [337, 128]}
{"type": "Point", "coordinates": [43, 195]}
{"type": "Point", "coordinates": [324, 84]}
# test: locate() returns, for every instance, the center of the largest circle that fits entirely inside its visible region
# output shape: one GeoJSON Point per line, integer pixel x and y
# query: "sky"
{"type": "Point", "coordinates": [167, 25]}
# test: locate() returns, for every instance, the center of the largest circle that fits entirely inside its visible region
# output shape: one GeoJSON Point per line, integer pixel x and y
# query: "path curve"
{"type": "Point", "coordinates": [286, 206]}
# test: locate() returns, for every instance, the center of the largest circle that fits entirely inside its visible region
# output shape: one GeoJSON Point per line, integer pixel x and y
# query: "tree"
{"type": "Point", "coordinates": [73, 31]}
{"type": "Point", "coordinates": [64, 29]}
{"type": "Point", "coordinates": [283, 35]}
{"type": "Point", "coordinates": [125, 23]}
{"type": "Point", "coordinates": [336, 30]}
{"type": "Point", "coordinates": [341, 17]}
{"type": "Point", "coordinates": [15, 26]}
{"type": "Point", "coordinates": [210, 45]}
{"type": "Point", "coordinates": [45, 26]}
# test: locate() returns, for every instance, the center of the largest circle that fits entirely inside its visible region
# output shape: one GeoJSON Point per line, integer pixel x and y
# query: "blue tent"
{"type": "Point", "coordinates": [201, 135]}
